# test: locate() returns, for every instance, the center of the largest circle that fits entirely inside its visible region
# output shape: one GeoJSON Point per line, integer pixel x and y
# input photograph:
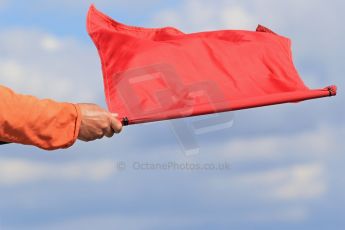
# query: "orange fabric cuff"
{"type": "Point", "coordinates": [46, 124]}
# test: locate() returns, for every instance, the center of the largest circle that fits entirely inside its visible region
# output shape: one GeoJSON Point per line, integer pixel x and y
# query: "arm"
{"type": "Point", "coordinates": [50, 125]}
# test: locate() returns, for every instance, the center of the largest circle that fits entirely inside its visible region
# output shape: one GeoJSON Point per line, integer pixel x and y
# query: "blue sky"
{"type": "Point", "coordinates": [286, 161]}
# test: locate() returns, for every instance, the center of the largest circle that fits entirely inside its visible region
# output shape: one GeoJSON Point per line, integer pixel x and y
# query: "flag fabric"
{"type": "Point", "coordinates": [153, 74]}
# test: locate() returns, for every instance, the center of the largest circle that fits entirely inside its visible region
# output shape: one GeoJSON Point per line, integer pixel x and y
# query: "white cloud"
{"type": "Point", "coordinates": [19, 171]}
{"type": "Point", "coordinates": [201, 15]}
{"type": "Point", "coordinates": [291, 183]}
{"type": "Point", "coordinates": [34, 81]}
{"type": "Point", "coordinates": [313, 144]}
{"type": "Point", "coordinates": [310, 153]}
{"type": "Point", "coordinates": [281, 189]}
{"type": "Point", "coordinates": [237, 18]}
{"type": "Point", "coordinates": [50, 43]}
{"type": "Point", "coordinates": [303, 182]}
{"type": "Point", "coordinates": [34, 62]}
{"type": "Point", "coordinates": [66, 5]}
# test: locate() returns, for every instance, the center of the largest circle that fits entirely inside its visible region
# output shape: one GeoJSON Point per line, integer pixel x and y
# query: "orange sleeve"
{"type": "Point", "coordinates": [43, 123]}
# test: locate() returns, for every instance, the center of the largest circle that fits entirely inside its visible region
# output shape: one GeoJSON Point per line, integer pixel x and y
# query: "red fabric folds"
{"type": "Point", "coordinates": [162, 73]}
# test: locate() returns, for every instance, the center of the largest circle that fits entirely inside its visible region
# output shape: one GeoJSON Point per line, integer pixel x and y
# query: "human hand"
{"type": "Point", "coordinates": [97, 123]}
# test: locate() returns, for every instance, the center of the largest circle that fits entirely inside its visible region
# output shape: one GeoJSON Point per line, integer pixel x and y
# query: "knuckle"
{"type": "Point", "coordinates": [99, 134]}
{"type": "Point", "coordinates": [110, 135]}
{"type": "Point", "coordinates": [104, 126]}
{"type": "Point", "coordinates": [106, 122]}
{"type": "Point", "coordinates": [118, 130]}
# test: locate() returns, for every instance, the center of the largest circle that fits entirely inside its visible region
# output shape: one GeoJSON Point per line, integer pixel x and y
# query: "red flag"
{"type": "Point", "coordinates": [153, 74]}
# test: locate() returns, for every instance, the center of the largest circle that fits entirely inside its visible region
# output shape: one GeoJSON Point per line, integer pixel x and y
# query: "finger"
{"type": "Point", "coordinates": [84, 139]}
{"type": "Point", "coordinates": [99, 136]}
{"type": "Point", "coordinates": [109, 132]}
{"type": "Point", "coordinates": [109, 135]}
{"type": "Point", "coordinates": [116, 125]}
